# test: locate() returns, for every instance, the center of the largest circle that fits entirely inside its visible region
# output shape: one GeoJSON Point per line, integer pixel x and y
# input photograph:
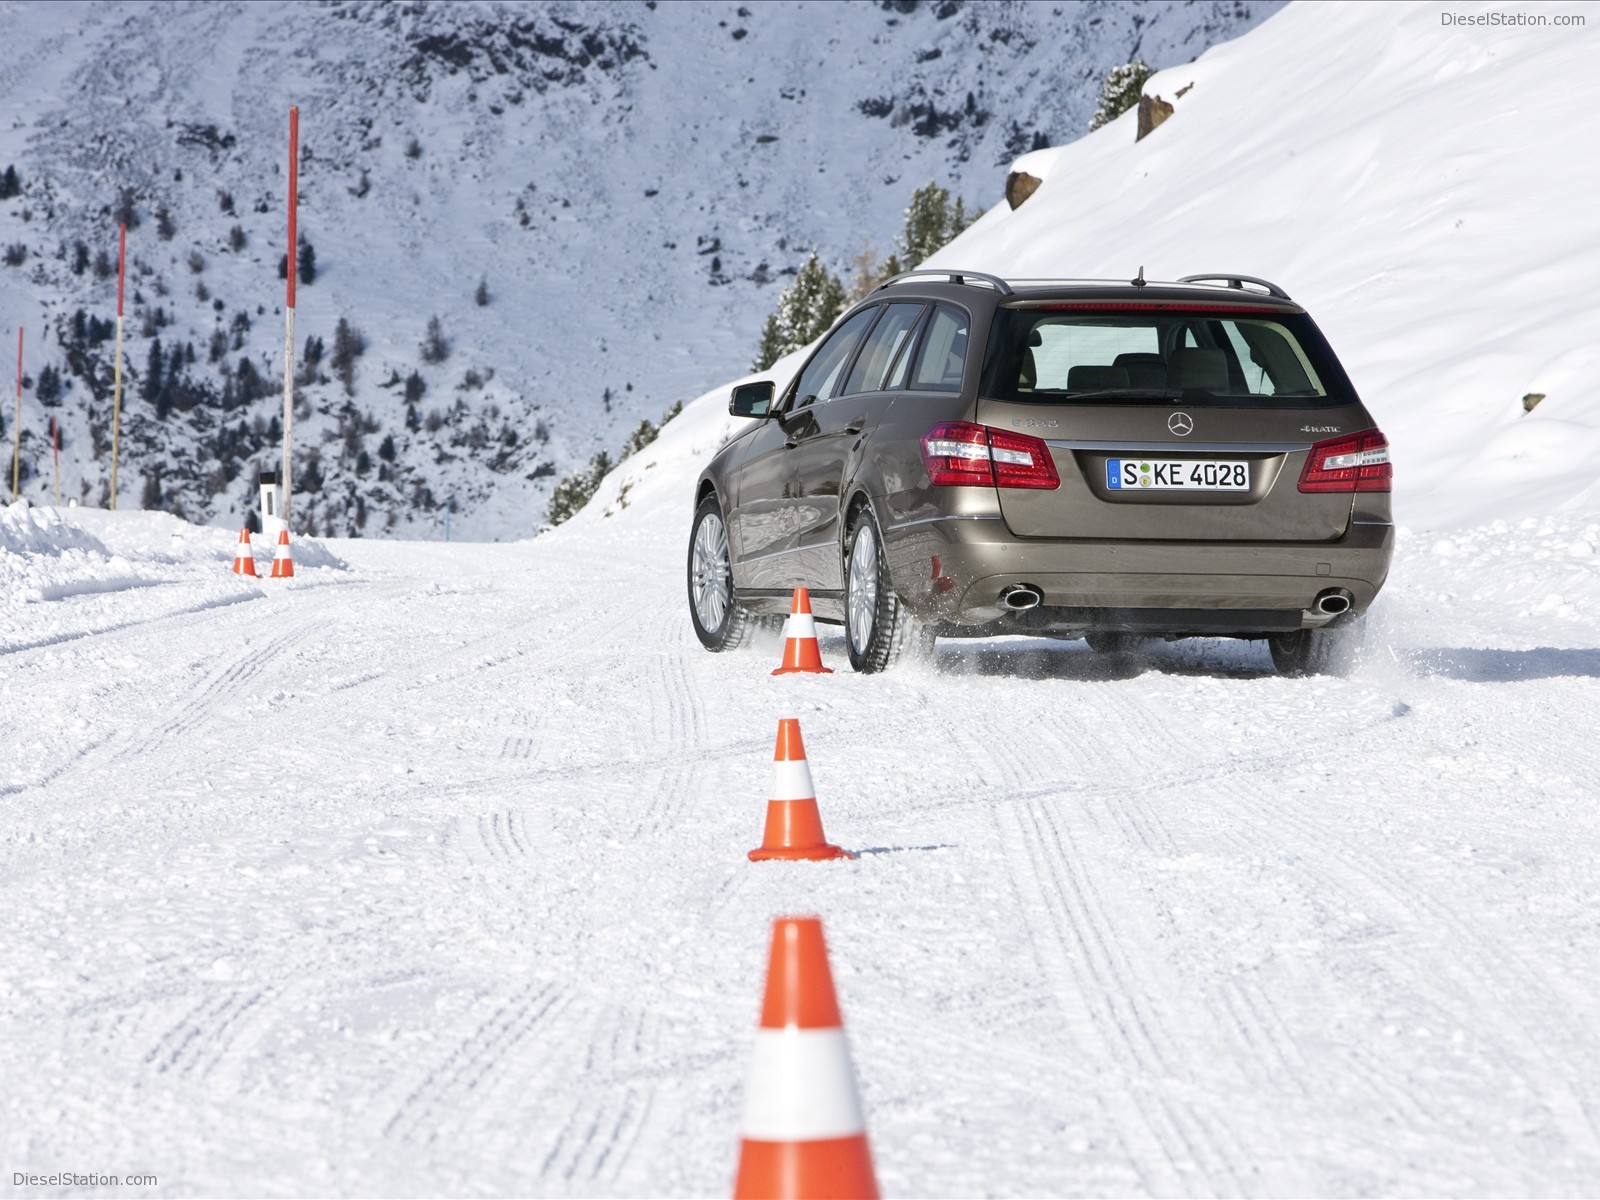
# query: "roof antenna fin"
{"type": "Point", "coordinates": [1139, 282]}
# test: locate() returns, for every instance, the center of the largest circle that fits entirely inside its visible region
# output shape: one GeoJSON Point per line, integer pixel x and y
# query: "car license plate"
{"type": "Point", "coordinates": [1177, 475]}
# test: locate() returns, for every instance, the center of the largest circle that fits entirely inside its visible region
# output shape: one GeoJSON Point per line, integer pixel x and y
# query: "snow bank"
{"type": "Point", "coordinates": [50, 554]}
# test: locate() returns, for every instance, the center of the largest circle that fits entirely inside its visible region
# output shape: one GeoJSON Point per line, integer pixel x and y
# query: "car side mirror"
{"type": "Point", "coordinates": [752, 399]}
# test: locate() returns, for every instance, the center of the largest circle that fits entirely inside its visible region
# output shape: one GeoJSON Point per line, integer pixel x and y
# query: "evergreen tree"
{"type": "Point", "coordinates": [416, 387]}
{"type": "Point", "coordinates": [435, 347]}
{"type": "Point", "coordinates": [10, 185]}
{"type": "Point", "coordinates": [1120, 91]}
{"type": "Point", "coordinates": [349, 344]}
{"type": "Point", "coordinates": [639, 438]}
{"type": "Point", "coordinates": [927, 223]}
{"type": "Point", "coordinates": [806, 310]}
{"type": "Point", "coordinates": [386, 448]}
{"type": "Point", "coordinates": [573, 492]}
{"type": "Point", "coordinates": [48, 391]}
{"type": "Point", "coordinates": [306, 262]}
{"type": "Point", "coordinates": [125, 213]}
{"type": "Point", "coordinates": [771, 347]}
{"type": "Point", "coordinates": [480, 297]}
{"type": "Point", "coordinates": [931, 222]}
{"type": "Point", "coordinates": [154, 374]}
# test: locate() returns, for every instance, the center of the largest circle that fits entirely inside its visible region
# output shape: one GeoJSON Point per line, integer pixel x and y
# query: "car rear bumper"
{"type": "Point", "coordinates": [954, 570]}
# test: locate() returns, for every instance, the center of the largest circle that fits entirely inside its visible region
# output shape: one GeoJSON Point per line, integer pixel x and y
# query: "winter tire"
{"type": "Point", "coordinates": [877, 626]}
{"type": "Point", "coordinates": [719, 622]}
{"type": "Point", "coordinates": [1331, 650]}
{"type": "Point", "coordinates": [1114, 645]}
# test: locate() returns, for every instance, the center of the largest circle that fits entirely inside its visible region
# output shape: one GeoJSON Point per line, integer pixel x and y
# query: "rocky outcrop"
{"type": "Point", "coordinates": [1019, 186]}
{"type": "Point", "coordinates": [1152, 111]}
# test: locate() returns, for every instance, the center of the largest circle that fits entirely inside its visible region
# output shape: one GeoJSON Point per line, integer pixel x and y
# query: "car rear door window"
{"type": "Point", "coordinates": [821, 378]}
{"type": "Point", "coordinates": [884, 346]}
{"type": "Point", "coordinates": [943, 355]}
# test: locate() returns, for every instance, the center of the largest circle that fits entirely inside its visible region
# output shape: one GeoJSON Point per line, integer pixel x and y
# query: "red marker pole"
{"type": "Point", "coordinates": [16, 451]}
{"type": "Point", "coordinates": [288, 312]}
{"type": "Point", "coordinates": [116, 402]}
{"type": "Point", "coordinates": [55, 452]}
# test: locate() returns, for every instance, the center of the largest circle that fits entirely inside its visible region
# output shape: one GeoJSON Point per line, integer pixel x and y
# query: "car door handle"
{"type": "Point", "coordinates": [856, 426]}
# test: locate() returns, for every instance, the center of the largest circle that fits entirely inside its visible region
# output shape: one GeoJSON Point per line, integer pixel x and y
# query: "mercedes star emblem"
{"type": "Point", "coordinates": [1180, 424]}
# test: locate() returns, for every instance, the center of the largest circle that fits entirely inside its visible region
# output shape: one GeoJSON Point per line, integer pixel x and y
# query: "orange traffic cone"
{"type": "Point", "coordinates": [803, 1133]}
{"type": "Point", "coordinates": [794, 826]}
{"type": "Point", "coordinates": [800, 650]}
{"type": "Point", "coordinates": [244, 558]}
{"type": "Point", "coordinates": [283, 560]}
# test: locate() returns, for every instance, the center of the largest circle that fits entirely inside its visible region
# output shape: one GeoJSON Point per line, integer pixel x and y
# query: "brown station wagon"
{"type": "Point", "coordinates": [964, 456]}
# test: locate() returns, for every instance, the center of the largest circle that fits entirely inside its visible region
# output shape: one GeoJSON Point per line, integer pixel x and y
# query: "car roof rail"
{"type": "Point", "coordinates": [1238, 281]}
{"type": "Point", "coordinates": [954, 276]}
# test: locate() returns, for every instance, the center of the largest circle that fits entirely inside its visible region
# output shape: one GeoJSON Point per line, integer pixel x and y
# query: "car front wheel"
{"type": "Point", "coordinates": [719, 622]}
{"type": "Point", "coordinates": [877, 625]}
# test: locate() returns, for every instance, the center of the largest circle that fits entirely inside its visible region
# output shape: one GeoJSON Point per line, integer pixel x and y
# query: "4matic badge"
{"type": "Point", "coordinates": [1319, 429]}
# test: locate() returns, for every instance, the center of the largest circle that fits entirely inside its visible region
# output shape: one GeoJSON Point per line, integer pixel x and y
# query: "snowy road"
{"type": "Point", "coordinates": [428, 877]}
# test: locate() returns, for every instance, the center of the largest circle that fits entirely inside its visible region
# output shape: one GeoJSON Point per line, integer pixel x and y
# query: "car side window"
{"type": "Point", "coordinates": [883, 346]}
{"type": "Point", "coordinates": [943, 355]}
{"type": "Point", "coordinates": [900, 369]}
{"type": "Point", "coordinates": [822, 375]}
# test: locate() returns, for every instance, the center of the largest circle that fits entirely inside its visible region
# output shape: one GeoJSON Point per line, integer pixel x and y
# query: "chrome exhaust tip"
{"type": "Point", "coordinates": [1333, 602]}
{"type": "Point", "coordinates": [1020, 596]}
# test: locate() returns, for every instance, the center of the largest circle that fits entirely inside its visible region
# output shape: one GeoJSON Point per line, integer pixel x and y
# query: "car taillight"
{"type": "Point", "coordinates": [1358, 463]}
{"type": "Point", "coordinates": [961, 454]}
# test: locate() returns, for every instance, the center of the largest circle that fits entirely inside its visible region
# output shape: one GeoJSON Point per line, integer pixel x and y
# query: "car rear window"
{"type": "Point", "coordinates": [1208, 354]}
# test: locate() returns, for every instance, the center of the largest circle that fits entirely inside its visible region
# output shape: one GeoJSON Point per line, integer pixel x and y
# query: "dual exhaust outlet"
{"type": "Point", "coordinates": [1330, 603]}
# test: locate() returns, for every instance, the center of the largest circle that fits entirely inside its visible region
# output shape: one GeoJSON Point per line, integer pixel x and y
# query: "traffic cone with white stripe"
{"type": "Point", "coordinates": [283, 560]}
{"type": "Point", "coordinates": [794, 825]}
{"type": "Point", "coordinates": [803, 1133]}
{"type": "Point", "coordinates": [800, 650]}
{"type": "Point", "coordinates": [244, 558]}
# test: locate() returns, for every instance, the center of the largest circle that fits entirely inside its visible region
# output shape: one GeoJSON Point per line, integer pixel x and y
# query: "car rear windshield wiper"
{"type": "Point", "coordinates": [1127, 393]}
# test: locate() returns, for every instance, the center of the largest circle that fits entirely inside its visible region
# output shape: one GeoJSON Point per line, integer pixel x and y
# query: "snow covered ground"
{"type": "Point", "coordinates": [425, 872]}
{"type": "Point", "coordinates": [427, 875]}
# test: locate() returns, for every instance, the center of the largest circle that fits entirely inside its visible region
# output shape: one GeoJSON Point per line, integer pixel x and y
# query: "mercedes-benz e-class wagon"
{"type": "Point", "coordinates": [964, 456]}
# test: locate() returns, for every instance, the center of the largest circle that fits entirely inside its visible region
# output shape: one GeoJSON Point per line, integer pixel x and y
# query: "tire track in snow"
{"type": "Point", "coordinates": [594, 1144]}
{"type": "Point", "coordinates": [1255, 1023]}
{"type": "Point", "coordinates": [455, 1089]}
{"type": "Point", "coordinates": [220, 687]}
{"type": "Point", "coordinates": [1520, 996]}
{"type": "Point", "coordinates": [194, 1045]}
{"type": "Point", "coordinates": [1176, 1147]}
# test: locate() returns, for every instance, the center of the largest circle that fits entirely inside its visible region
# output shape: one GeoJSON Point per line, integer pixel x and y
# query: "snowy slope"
{"type": "Point", "coordinates": [1419, 191]}
{"type": "Point", "coordinates": [632, 181]}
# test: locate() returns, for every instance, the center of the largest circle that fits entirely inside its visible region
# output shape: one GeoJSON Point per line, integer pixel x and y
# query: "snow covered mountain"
{"type": "Point", "coordinates": [630, 183]}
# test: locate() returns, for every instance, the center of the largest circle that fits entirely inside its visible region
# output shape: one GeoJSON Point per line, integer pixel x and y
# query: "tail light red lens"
{"type": "Point", "coordinates": [1357, 463]}
{"type": "Point", "coordinates": [961, 454]}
